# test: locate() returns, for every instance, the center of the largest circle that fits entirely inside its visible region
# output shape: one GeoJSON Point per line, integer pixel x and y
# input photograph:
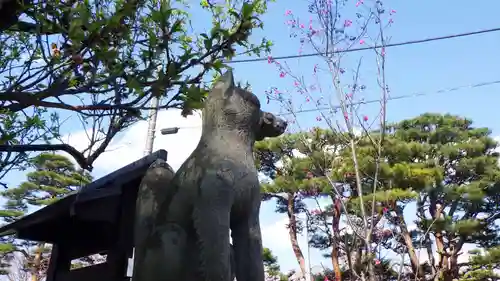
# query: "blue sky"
{"type": "Point", "coordinates": [427, 67]}
{"type": "Point", "coordinates": [417, 68]}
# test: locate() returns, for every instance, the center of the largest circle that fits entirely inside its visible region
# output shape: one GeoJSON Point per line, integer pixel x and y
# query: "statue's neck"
{"type": "Point", "coordinates": [226, 139]}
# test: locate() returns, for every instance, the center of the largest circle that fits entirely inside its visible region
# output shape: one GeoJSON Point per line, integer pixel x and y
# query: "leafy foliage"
{"type": "Point", "coordinates": [272, 266]}
{"type": "Point", "coordinates": [441, 163]}
{"type": "Point", "coordinates": [104, 60]}
{"type": "Point", "coordinates": [54, 177]}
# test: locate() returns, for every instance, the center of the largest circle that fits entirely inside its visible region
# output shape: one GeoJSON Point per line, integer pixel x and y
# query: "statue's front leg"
{"type": "Point", "coordinates": [247, 243]}
{"type": "Point", "coordinates": [211, 216]}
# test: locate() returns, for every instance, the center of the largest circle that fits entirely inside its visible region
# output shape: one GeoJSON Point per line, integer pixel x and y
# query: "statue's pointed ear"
{"type": "Point", "coordinates": [225, 82]}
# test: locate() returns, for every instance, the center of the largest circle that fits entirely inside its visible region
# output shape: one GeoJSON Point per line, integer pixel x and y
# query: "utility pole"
{"type": "Point", "coordinates": [153, 115]}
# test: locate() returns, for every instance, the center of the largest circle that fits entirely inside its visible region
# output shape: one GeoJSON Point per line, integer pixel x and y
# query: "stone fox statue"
{"type": "Point", "coordinates": [183, 219]}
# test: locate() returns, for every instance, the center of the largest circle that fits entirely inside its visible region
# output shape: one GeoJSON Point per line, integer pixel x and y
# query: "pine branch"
{"type": "Point", "coordinates": [78, 156]}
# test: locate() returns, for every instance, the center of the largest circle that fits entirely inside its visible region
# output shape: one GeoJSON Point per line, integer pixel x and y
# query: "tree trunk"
{"type": "Point", "coordinates": [335, 244]}
{"type": "Point", "coordinates": [292, 231]}
{"type": "Point", "coordinates": [35, 268]}
{"type": "Point", "coordinates": [415, 263]}
{"type": "Point", "coordinates": [443, 266]}
{"type": "Point", "coordinates": [335, 262]}
{"type": "Point", "coordinates": [454, 268]}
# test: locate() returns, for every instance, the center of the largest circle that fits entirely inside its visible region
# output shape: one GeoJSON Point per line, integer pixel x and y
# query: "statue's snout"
{"type": "Point", "coordinates": [280, 125]}
{"type": "Point", "coordinates": [271, 126]}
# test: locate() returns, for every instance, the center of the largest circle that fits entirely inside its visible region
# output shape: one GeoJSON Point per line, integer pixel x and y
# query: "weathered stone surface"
{"type": "Point", "coordinates": [153, 191]}
{"type": "Point", "coordinates": [214, 191]}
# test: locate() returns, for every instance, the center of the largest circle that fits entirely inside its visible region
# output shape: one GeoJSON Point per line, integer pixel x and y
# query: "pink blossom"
{"type": "Point", "coordinates": [377, 261]}
{"type": "Point", "coordinates": [347, 23]}
{"type": "Point", "coordinates": [361, 42]}
{"type": "Point", "coordinates": [282, 74]}
{"type": "Point", "coordinates": [315, 68]}
{"type": "Point", "coordinates": [387, 232]}
{"type": "Point", "coordinates": [302, 25]}
{"type": "Point", "coordinates": [269, 59]}
{"type": "Point", "coordinates": [308, 100]}
{"type": "Point", "coordinates": [288, 12]}
{"type": "Point", "coordinates": [391, 21]}
{"type": "Point", "coordinates": [316, 212]}
{"type": "Point", "coordinates": [346, 117]}
{"type": "Point", "coordinates": [296, 83]}
{"type": "Point", "coordinates": [365, 118]}
{"type": "Point", "coordinates": [392, 12]}
{"type": "Point", "coordinates": [385, 209]}
{"type": "Point", "coordinates": [382, 53]}
{"type": "Point", "coordinates": [360, 2]}
{"type": "Point", "coordinates": [318, 118]}
{"type": "Point", "coordinates": [326, 279]}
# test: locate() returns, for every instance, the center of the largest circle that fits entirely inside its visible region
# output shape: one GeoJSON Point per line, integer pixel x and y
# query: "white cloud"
{"type": "Point", "coordinates": [275, 236]}
{"type": "Point", "coordinates": [130, 145]}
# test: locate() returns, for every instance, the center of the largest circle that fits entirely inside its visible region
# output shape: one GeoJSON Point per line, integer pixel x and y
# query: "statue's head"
{"type": "Point", "coordinates": [232, 108]}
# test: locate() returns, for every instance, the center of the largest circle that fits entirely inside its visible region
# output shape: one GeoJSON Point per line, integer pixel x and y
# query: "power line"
{"type": "Point", "coordinates": [420, 41]}
{"type": "Point", "coordinates": [414, 95]}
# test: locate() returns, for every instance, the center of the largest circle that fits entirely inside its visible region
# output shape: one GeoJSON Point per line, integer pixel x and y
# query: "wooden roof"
{"type": "Point", "coordinates": [89, 214]}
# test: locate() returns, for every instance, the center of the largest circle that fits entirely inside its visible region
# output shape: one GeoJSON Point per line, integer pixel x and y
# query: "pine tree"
{"type": "Point", "coordinates": [297, 172]}
{"type": "Point", "coordinates": [313, 175]}
{"type": "Point", "coordinates": [450, 169]}
{"type": "Point", "coordinates": [54, 177]}
{"type": "Point", "coordinates": [270, 153]}
{"type": "Point", "coordinates": [272, 267]}
{"type": "Point", "coordinates": [483, 265]}
{"type": "Point", "coordinates": [440, 162]}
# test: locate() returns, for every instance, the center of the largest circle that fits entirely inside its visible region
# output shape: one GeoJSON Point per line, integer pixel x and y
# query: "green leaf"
{"type": "Point", "coordinates": [204, 3]}
{"type": "Point", "coordinates": [247, 10]}
{"type": "Point", "coordinates": [156, 16]}
{"type": "Point", "coordinates": [177, 26]}
{"type": "Point", "coordinates": [171, 70]}
{"type": "Point", "coordinates": [133, 83]}
{"type": "Point", "coordinates": [218, 65]}
{"type": "Point", "coordinates": [73, 82]}
{"type": "Point", "coordinates": [208, 44]}
{"type": "Point", "coordinates": [76, 32]}
{"type": "Point", "coordinates": [41, 86]}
